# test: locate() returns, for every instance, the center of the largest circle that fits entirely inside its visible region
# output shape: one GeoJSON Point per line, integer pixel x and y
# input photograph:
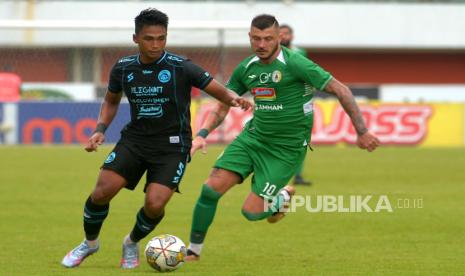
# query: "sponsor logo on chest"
{"type": "Point", "coordinates": [264, 93]}
{"type": "Point", "coordinates": [271, 107]}
{"type": "Point", "coordinates": [275, 77]}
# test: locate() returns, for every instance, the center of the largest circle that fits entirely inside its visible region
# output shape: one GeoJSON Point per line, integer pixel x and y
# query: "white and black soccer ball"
{"type": "Point", "coordinates": [165, 252]}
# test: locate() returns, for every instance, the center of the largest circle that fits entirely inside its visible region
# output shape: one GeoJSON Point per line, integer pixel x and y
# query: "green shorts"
{"type": "Point", "coordinates": [273, 165]}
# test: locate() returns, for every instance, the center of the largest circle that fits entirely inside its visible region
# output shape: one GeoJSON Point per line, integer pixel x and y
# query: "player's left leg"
{"type": "Point", "coordinates": [164, 173]}
{"type": "Point", "coordinates": [274, 166]}
{"type": "Point", "coordinates": [148, 217]}
{"type": "Point", "coordinates": [256, 207]}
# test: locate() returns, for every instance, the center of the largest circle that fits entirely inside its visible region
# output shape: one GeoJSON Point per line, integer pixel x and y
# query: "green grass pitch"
{"type": "Point", "coordinates": [43, 188]}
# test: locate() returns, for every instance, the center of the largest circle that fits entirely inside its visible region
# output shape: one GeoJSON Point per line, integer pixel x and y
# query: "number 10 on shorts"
{"type": "Point", "coordinates": [269, 189]}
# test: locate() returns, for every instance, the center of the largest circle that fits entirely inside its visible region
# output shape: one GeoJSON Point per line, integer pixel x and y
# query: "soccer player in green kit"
{"type": "Point", "coordinates": [274, 142]}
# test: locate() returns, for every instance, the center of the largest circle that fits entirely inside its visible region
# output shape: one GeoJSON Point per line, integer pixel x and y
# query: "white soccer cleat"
{"type": "Point", "coordinates": [130, 258]}
{"type": "Point", "coordinates": [77, 255]}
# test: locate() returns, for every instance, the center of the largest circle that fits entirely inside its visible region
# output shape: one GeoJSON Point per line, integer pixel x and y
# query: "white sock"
{"type": "Point", "coordinates": [196, 248]}
{"type": "Point", "coordinates": [286, 195]}
{"type": "Point", "coordinates": [92, 244]}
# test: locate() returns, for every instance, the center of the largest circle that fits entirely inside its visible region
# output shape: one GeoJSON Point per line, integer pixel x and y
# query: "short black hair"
{"type": "Point", "coordinates": [150, 17]}
{"type": "Point", "coordinates": [264, 21]}
{"type": "Point", "coordinates": [285, 26]}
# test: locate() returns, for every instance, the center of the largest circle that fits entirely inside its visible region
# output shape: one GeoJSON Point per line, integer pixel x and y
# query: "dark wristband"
{"type": "Point", "coordinates": [101, 127]}
{"type": "Point", "coordinates": [203, 133]}
{"type": "Point", "coordinates": [363, 131]}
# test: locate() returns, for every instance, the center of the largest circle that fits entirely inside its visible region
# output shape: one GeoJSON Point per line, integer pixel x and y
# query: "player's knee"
{"type": "Point", "coordinates": [222, 180]}
{"type": "Point", "coordinates": [154, 208]}
{"type": "Point", "coordinates": [209, 195]}
{"type": "Point", "coordinates": [253, 216]}
{"type": "Point", "coordinates": [100, 196]}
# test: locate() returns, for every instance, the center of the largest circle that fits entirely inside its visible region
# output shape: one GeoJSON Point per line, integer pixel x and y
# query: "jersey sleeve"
{"type": "Point", "coordinates": [235, 81]}
{"type": "Point", "coordinates": [115, 85]}
{"type": "Point", "coordinates": [310, 72]}
{"type": "Point", "coordinates": [198, 76]}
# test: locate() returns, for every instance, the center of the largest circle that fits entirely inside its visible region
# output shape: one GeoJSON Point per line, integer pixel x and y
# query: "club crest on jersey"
{"type": "Point", "coordinates": [164, 76]}
{"type": "Point", "coordinates": [110, 157]}
{"type": "Point", "coordinates": [264, 93]}
{"type": "Point", "coordinates": [276, 76]}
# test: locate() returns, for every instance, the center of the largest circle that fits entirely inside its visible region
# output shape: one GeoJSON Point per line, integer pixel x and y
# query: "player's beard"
{"type": "Point", "coordinates": [272, 53]}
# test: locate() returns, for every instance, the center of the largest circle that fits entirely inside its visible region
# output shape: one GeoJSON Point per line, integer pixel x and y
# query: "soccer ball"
{"type": "Point", "coordinates": [165, 252]}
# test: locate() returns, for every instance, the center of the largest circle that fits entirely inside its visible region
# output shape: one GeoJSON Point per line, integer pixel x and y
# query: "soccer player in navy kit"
{"type": "Point", "coordinates": [157, 140]}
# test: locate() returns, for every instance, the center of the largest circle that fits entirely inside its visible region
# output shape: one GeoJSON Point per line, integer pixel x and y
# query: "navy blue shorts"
{"type": "Point", "coordinates": [164, 165]}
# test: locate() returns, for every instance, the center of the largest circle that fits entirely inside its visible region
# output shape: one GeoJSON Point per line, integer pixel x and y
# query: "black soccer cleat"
{"type": "Point", "coordinates": [191, 256]}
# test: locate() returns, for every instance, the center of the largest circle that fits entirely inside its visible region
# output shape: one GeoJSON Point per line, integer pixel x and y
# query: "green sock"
{"type": "Point", "coordinates": [274, 207]}
{"type": "Point", "coordinates": [204, 212]}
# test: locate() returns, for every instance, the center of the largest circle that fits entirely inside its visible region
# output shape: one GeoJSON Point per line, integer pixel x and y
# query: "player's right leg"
{"type": "Point", "coordinates": [232, 167]}
{"type": "Point", "coordinates": [218, 183]}
{"type": "Point", "coordinates": [96, 209]}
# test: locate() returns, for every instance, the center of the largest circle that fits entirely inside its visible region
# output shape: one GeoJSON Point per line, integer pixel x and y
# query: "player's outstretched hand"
{"type": "Point", "coordinates": [94, 141]}
{"type": "Point", "coordinates": [368, 141]}
{"type": "Point", "coordinates": [242, 103]}
{"type": "Point", "coordinates": [198, 143]}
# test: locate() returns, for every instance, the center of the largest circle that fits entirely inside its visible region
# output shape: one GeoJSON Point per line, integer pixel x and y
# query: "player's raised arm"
{"type": "Point", "coordinates": [365, 139]}
{"type": "Point", "coordinates": [226, 96]}
{"type": "Point", "coordinates": [107, 113]}
{"type": "Point", "coordinates": [214, 119]}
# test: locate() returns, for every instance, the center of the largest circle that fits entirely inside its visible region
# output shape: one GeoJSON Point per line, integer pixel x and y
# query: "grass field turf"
{"type": "Point", "coordinates": [43, 189]}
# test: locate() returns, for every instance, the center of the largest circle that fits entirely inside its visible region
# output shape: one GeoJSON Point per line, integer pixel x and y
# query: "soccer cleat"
{"type": "Point", "coordinates": [130, 258]}
{"type": "Point", "coordinates": [191, 256]}
{"type": "Point", "coordinates": [299, 180]}
{"type": "Point", "coordinates": [280, 214]}
{"type": "Point", "coordinates": [78, 254]}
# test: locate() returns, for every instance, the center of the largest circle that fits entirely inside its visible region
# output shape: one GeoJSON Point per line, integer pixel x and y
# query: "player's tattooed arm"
{"type": "Point", "coordinates": [365, 139]}
{"type": "Point", "coordinates": [216, 117]}
{"type": "Point", "coordinates": [217, 120]}
{"type": "Point", "coordinates": [347, 101]}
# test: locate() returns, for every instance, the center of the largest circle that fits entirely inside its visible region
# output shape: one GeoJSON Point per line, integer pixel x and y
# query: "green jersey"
{"type": "Point", "coordinates": [283, 93]}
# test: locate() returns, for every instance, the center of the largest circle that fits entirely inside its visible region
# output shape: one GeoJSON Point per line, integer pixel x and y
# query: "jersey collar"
{"type": "Point", "coordinates": [280, 57]}
{"type": "Point", "coordinates": [160, 59]}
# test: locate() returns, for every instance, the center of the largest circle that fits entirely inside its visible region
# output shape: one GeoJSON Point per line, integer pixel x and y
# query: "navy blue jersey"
{"type": "Point", "coordinates": [159, 94]}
